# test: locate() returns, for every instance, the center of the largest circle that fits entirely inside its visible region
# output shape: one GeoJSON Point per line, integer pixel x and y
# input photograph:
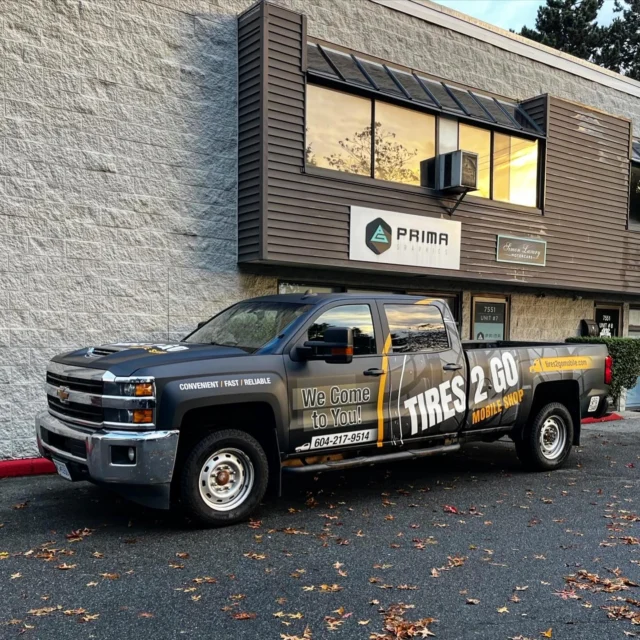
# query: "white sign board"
{"type": "Point", "coordinates": [389, 237]}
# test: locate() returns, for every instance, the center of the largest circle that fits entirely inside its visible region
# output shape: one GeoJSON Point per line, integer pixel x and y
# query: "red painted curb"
{"type": "Point", "coordinates": [608, 418]}
{"type": "Point", "coordinates": [26, 467]}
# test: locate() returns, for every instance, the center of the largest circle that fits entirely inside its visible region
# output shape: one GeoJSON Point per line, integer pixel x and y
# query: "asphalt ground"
{"type": "Point", "coordinates": [336, 554]}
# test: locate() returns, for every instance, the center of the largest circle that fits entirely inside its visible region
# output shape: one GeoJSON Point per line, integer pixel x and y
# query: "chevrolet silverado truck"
{"type": "Point", "coordinates": [303, 384]}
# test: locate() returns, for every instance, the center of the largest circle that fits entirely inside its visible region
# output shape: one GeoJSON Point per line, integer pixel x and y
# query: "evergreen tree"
{"type": "Point", "coordinates": [570, 26]}
{"type": "Point", "coordinates": [620, 47]}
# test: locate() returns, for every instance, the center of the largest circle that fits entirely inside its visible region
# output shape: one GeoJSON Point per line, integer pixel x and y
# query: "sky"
{"type": "Point", "coordinates": [511, 14]}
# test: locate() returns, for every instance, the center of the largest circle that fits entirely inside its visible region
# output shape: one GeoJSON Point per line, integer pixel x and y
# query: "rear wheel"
{"type": "Point", "coordinates": [547, 440]}
{"type": "Point", "coordinates": [224, 478]}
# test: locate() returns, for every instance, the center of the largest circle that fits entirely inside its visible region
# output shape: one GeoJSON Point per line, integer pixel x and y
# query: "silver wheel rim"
{"type": "Point", "coordinates": [226, 479]}
{"type": "Point", "coordinates": [553, 437]}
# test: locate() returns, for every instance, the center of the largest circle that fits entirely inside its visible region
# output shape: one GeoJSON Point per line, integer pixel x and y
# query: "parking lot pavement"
{"type": "Point", "coordinates": [468, 540]}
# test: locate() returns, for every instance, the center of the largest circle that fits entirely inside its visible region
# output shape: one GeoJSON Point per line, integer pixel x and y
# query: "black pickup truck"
{"type": "Point", "coordinates": [306, 383]}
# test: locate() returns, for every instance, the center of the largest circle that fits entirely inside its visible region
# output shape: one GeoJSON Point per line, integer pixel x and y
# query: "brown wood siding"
{"type": "Point", "coordinates": [586, 194]}
{"type": "Point", "coordinates": [250, 132]}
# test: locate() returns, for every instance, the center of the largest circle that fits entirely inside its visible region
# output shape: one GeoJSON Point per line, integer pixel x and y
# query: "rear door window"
{"type": "Point", "coordinates": [416, 328]}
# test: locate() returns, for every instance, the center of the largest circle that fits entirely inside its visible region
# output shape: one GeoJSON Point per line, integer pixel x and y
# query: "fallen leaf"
{"type": "Point", "coordinates": [503, 610]}
{"type": "Point", "coordinates": [15, 576]}
{"type": "Point", "coordinates": [110, 576]}
{"type": "Point", "coordinates": [65, 567]}
{"type": "Point", "coordinates": [548, 633]}
{"type": "Point", "coordinates": [144, 614]}
{"type": "Point", "coordinates": [182, 555]}
{"type": "Point", "coordinates": [89, 617]}
{"type": "Point", "coordinates": [243, 615]}
{"type": "Point", "coordinates": [473, 601]}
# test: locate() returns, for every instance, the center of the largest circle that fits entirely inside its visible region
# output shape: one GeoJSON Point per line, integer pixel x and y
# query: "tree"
{"type": "Point", "coordinates": [620, 48]}
{"type": "Point", "coordinates": [391, 157]}
{"type": "Point", "coordinates": [570, 26]}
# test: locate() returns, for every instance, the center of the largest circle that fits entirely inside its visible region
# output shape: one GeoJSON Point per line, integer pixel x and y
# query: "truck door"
{"type": "Point", "coordinates": [427, 374]}
{"type": "Point", "coordinates": [338, 405]}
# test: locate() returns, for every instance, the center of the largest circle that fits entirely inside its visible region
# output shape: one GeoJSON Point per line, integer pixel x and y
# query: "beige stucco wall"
{"type": "Point", "coordinates": [539, 318]}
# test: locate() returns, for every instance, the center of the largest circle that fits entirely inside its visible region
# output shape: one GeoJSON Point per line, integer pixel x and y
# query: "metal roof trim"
{"type": "Point", "coordinates": [528, 127]}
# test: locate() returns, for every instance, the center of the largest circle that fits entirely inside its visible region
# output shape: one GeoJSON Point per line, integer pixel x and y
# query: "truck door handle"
{"type": "Point", "coordinates": [452, 366]}
{"type": "Point", "coordinates": [373, 372]}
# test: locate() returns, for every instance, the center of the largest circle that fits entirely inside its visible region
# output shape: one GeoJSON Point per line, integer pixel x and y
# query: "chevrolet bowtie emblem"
{"type": "Point", "coordinates": [63, 394]}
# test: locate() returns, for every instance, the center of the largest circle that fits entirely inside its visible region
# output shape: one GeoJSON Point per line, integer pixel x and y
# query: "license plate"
{"type": "Point", "coordinates": [62, 470]}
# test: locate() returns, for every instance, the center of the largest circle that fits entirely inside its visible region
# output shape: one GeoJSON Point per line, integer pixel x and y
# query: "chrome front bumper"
{"type": "Point", "coordinates": [155, 451]}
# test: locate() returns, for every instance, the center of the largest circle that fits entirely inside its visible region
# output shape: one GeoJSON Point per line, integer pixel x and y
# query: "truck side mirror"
{"type": "Point", "coordinates": [335, 348]}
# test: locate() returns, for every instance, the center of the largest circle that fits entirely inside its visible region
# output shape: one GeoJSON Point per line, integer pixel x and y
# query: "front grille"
{"type": "Point", "coordinates": [75, 384]}
{"type": "Point", "coordinates": [75, 410]}
{"type": "Point", "coordinates": [72, 446]}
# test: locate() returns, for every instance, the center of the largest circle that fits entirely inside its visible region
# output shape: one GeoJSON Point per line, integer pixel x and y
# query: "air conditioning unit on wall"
{"type": "Point", "coordinates": [454, 172]}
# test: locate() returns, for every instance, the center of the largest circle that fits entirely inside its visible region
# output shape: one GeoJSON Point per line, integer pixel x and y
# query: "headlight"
{"type": "Point", "coordinates": [138, 389]}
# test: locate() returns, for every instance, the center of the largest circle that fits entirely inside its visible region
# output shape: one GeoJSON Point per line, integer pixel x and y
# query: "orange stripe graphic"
{"type": "Point", "coordinates": [381, 389]}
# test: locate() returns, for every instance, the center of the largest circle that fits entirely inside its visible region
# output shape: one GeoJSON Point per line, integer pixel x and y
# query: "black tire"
{"type": "Point", "coordinates": [236, 454]}
{"type": "Point", "coordinates": [534, 454]}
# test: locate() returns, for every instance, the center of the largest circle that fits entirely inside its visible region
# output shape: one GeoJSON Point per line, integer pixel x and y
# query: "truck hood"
{"type": "Point", "coordinates": [123, 359]}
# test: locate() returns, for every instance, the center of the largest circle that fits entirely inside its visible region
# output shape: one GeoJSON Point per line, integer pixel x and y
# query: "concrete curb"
{"type": "Point", "coordinates": [25, 467]}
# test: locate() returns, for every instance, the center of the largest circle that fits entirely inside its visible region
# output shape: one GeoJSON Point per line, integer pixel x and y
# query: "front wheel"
{"type": "Point", "coordinates": [224, 478]}
{"type": "Point", "coordinates": [546, 442]}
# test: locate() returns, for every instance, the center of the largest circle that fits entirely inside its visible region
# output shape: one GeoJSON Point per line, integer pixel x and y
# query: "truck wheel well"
{"type": "Point", "coordinates": [566, 392]}
{"type": "Point", "coordinates": [255, 418]}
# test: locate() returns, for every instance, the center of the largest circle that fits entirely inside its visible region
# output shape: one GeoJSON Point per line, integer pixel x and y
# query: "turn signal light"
{"type": "Point", "coordinates": [608, 369]}
{"type": "Point", "coordinates": [342, 351]}
{"type": "Point", "coordinates": [143, 389]}
{"type": "Point", "coordinates": [142, 416]}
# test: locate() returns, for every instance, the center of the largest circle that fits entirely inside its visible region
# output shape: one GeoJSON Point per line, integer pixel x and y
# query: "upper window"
{"type": "Point", "coordinates": [403, 138]}
{"type": "Point", "coordinates": [357, 317]}
{"type": "Point", "coordinates": [515, 170]}
{"type": "Point", "coordinates": [479, 141]}
{"type": "Point", "coordinates": [634, 195]}
{"type": "Point", "coordinates": [416, 327]}
{"type": "Point", "coordinates": [338, 131]}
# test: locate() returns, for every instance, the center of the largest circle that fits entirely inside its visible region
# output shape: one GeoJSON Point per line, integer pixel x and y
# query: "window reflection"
{"type": "Point", "coordinates": [479, 141]}
{"type": "Point", "coordinates": [416, 328]}
{"type": "Point", "coordinates": [403, 139]}
{"type": "Point", "coordinates": [634, 196]}
{"type": "Point", "coordinates": [355, 316]}
{"type": "Point", "coordinates": [338, 131]}
{"type": "Point", "coordinates": [515, 170]}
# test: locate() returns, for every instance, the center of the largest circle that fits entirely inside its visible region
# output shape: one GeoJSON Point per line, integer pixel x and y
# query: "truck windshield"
{"type": "Point", "coordinates": [248, 325]}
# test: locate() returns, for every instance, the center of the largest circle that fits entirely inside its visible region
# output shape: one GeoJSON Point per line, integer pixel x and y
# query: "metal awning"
{"type": "Point", "coordinates": [324, 62]}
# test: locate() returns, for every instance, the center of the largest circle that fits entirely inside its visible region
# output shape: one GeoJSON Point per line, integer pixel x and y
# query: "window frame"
{"type": "Point", "coordinates": [632, 225]}
{"type": "Point", "coordinates": [387, 329]}
{"type": "Point", "coordinates": [301, 335]}
{"type": "Point", "coordinates": [506, 300]}
{"type": "Point", "coordinates": [613, 306]}
{"type": "Point", "coordinates": [388, 184]}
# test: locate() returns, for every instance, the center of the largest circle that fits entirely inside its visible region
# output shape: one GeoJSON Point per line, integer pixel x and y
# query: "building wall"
{"type": "Point", "coordinates": [118, 151]}
{"type": "Point", "coordinates": [535, 317]}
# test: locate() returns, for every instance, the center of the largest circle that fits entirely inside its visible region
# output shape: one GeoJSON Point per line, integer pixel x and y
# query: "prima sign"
{"type": "Point", "coordinates": [390, 237]}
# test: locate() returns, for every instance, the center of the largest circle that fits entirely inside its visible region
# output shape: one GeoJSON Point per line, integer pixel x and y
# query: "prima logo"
{"type": "Point", "coordinates": [378, 236]}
